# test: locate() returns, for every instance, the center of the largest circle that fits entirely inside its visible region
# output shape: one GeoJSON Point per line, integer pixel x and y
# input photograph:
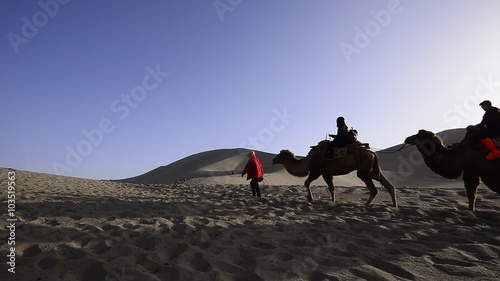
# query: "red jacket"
{"type": "Point", "coordinates": [253, 169]}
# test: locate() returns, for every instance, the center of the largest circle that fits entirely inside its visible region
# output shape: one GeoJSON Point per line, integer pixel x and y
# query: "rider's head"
{"type": "Point", "coordinates": [340, 121]}
{"type": "Point", "coordinates": [486, 105]}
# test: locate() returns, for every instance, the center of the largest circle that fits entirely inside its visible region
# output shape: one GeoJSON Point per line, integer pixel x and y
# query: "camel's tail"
{"type": "Point", "coordinates": [383, 180]}
{"type": "Point", "coordinates": [377, 170]}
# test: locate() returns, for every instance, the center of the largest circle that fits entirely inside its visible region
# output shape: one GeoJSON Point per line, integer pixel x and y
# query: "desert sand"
{"type": "Point", "coordinates": [213, 229]}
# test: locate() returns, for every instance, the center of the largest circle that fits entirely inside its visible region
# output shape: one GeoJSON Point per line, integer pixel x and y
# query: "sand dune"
{"type": "Point", "coordinates": [403, 168]}
{"type": "Point", "coordinates": [76, 229]}
{"type": "Point", "coordinates": [221, 162]}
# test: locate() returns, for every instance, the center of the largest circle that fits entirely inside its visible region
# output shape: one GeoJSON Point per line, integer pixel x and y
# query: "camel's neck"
{"type": "Point", "coordinates": [443, 161]}
{"type": "Point", "coordinates": [297, 167]}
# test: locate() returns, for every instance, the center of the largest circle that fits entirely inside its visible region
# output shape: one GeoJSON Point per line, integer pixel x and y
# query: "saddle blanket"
{"type": "Point", "coordinates": [339, 152]}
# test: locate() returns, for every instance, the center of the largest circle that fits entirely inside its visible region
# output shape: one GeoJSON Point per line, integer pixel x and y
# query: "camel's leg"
{"type": "Point", "coordinates": [329, 181]}
{"type": "Point", "coordinates": [471, 183]}
{"type": "Point", "coordinates": [367, 179]}
{"type": "Point", "coordinates": [392, 190]}
{"type": "Point", "coordinates": [313, 175]}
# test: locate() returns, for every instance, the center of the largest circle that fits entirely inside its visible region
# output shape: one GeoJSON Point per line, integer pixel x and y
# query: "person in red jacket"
{"type": "Point", "coordinates": [255, 172]}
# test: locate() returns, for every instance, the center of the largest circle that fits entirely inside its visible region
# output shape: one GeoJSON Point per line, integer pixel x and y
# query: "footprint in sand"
{"type": "Point", "coordinates": [480, 251]}
{"type": "Point", "coordinates": [231, 268]}
{"type": "Point", "coordinates": [239, 233]}
{"type": "Point", "coordinates": [440, 261]}
{"type": "Point", "coordinates": [175, 251]}
{"type": "Point", "coordinates": [167, 273]}
{"type": "Point", "coordinates": [180, 228]}
{"type": "Point", "coordinates": [51, 222]}
{"type": "Point", "coordinates": [97, 246]}
{"type": "Point", "coordinates": [282, 256]}
{"type": "Point", "coordinates": [164, 229]}
{"type": "Point", "coordinates": [200, 263]}
{"type": "Point", "coordinates": [113, 230]}
{"type": "Point", "coordinates": [148, 243]}
{"type": "Point", "coordinates": [392, 269]}
{"type": "Point", "coordinates": [76, 217]}
{"type": "Point", "coordinates": [46, 263]}
{"type": "Point", "coordinates": [89, 228]}
{"type": "Point", "coordinates": [69, 252]}
{"type": "Point", "coordinates": [147, 221]}
{"type": "Point", "coordinates": [131, 226]}
{"type": "Point", "coordinates": [28, 250]}
{"type": "Point", "coordinates": [261, 245]}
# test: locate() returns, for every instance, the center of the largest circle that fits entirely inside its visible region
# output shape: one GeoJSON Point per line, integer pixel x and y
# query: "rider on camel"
{"type": "Point", "coordinates": [490, 128]}
{"type": "Point", "coordinates": [340, 139]}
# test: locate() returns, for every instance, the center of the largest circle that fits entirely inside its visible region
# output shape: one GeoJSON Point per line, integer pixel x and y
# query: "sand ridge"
{"type": "Point", "coordinates": [76, 229]}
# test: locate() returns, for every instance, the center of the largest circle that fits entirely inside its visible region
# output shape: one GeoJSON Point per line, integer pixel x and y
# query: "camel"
{"type": "Point", "coordinates": [315, 164]}
{"type": "Point", "coordinates": [451, 162]}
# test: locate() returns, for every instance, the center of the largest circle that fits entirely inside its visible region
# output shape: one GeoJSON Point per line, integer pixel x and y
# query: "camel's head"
{"type": "Point", "coordinates": [420, 137]}
{"type": "Point", "coordinates": [282, 156]}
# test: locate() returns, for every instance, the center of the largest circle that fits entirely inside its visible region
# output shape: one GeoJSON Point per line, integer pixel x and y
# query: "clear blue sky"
{"type": "Point", "coordinates": [113, 89]}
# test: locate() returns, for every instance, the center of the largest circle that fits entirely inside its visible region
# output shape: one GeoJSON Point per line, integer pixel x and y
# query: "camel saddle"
{"type": "Point", "coordinates": [473, 138]}
{"type": "Point", "coordinates": [341, 152]}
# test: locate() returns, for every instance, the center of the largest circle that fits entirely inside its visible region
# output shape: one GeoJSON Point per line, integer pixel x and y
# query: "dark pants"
{"type": "Point", "coordinates": [338, 141]}
{"type": "Point", "coordinates": [483, 131]}
{"type": "Point", "coordinates": [254, 184]}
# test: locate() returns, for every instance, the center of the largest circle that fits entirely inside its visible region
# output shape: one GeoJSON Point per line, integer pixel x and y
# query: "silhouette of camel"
{"type": "Point", "coordinates": [463, 157]}
{"type": "Point", "coordinates": [315, 164]}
